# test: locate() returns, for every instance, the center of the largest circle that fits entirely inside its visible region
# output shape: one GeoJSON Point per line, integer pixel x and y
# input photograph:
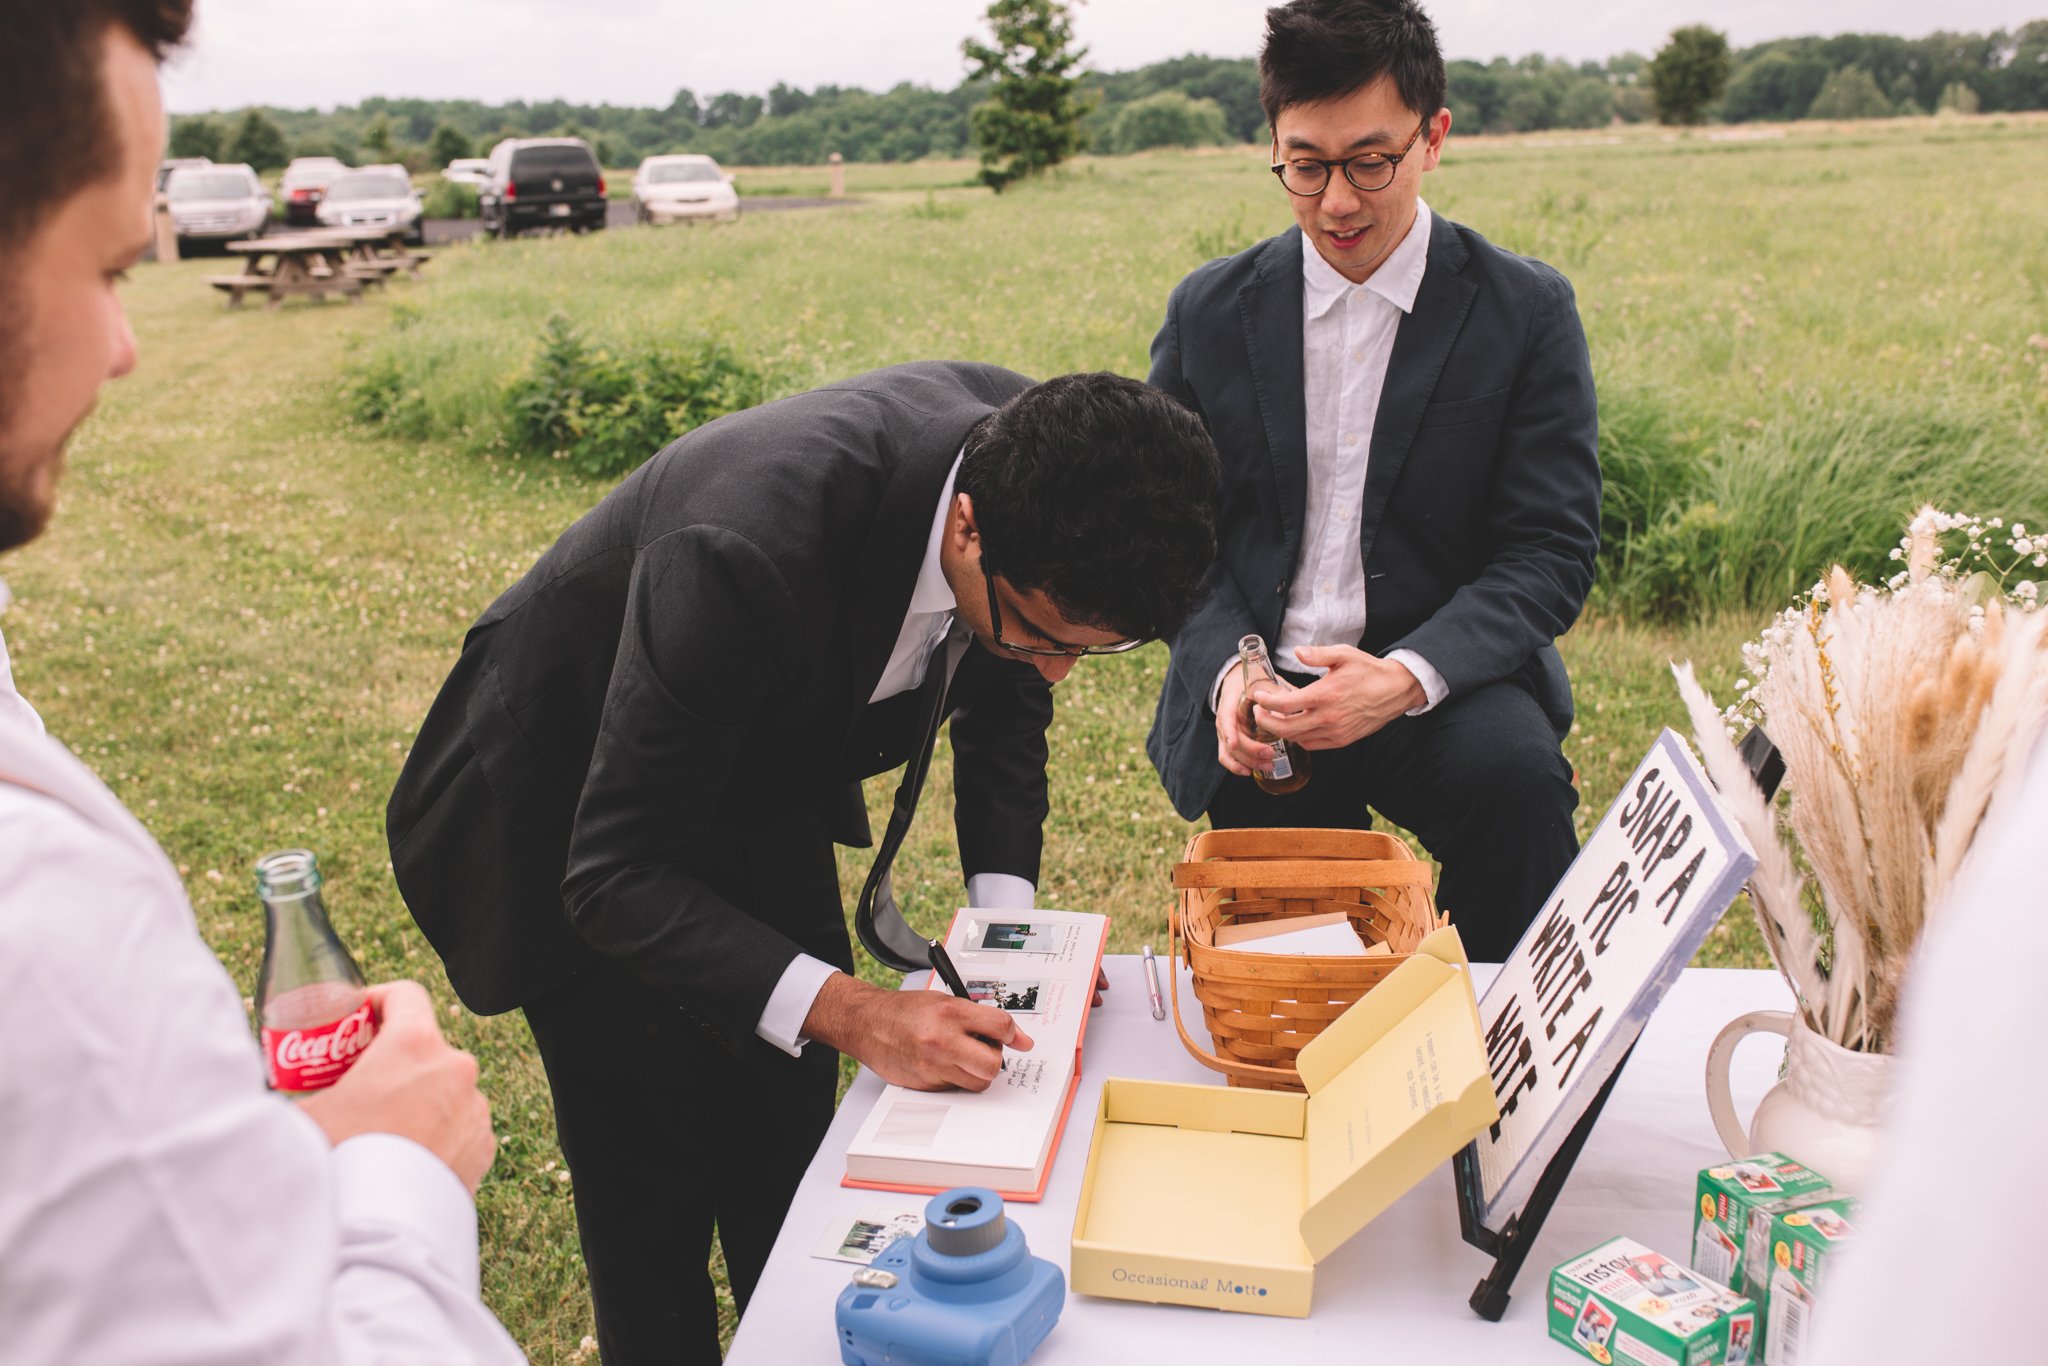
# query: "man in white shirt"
{"type": "Point", "coordinates": [156, 1203]}
{"type": "Point", "coordinates": [1405, 419]}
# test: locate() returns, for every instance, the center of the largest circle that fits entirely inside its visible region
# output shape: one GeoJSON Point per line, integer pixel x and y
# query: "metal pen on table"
{"type": "Point", "coordinates": [942, 964]}
{"type": "Point", "coordinates": [1152, 984]}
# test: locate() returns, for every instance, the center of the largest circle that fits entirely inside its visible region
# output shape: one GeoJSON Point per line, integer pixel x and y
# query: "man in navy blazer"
{"type": "Point", "coordinates": [1411, 491]}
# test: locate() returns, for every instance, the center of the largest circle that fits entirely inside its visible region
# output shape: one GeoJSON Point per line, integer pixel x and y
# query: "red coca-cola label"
{"type": "Point", "coordinates": [312, 1058]}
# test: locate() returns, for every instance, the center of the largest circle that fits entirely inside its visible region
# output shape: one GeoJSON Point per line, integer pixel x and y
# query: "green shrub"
{"type": "Point", "coordinates": [1167, 119]}
{"type": "Point", "coordinates": [449, 199]}
{"type": "Point", "coordinates": [378, 393]}
{"type": "Point", "coordinates": [603, 413]}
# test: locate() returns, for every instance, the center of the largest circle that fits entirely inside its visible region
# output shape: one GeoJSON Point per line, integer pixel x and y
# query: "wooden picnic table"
{"type": "Point", "coordinates": [381, 250]}
{"type": "Point", "coordinates": [315, 264]}
{"type": "Point", "coordinates": [289, 265]}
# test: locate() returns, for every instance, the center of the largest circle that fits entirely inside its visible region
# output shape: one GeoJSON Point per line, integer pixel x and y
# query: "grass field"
{"type": "Point", "coordinates": [246, 603]}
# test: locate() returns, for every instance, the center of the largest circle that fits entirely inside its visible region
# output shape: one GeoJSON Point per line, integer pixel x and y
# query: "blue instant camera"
{"type": "Point", "coordinates": [964, 1292]}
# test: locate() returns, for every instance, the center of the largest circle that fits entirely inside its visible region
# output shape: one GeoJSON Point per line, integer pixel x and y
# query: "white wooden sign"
{"type": "Point", "coordinates": [1656, 874]}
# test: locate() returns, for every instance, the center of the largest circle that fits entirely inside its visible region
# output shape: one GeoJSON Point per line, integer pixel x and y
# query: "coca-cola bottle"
{"type": "Point", "coordinates": [1290, 761]}
{"type": "Point", "coordinates": [312, 1005]}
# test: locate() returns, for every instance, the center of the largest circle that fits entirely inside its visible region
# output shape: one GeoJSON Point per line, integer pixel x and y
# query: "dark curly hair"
{"type": "Point", "coordinates": [1102, 492]}
{"type": "Point", "coordinates": [1321, 49]}
{"type": "Point", "coordinates": [60, 135]}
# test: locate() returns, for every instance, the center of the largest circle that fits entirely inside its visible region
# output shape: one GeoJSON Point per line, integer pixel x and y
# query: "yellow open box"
{"type": "Point", "coordinates": [1227, 1199]}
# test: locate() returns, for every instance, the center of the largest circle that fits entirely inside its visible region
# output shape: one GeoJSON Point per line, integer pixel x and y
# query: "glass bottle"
{"type": "Point", "coordinates": [312, 1005]}
{"type": "Point", "coordinates": [1290, 761]}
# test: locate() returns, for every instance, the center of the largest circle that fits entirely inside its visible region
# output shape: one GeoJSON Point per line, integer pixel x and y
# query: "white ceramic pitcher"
{"type": "Point", "coordinates": [1824, 1113]}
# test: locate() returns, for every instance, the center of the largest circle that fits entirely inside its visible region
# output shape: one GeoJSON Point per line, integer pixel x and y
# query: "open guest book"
{"type": "Point", "coordinates": [1040, 966]}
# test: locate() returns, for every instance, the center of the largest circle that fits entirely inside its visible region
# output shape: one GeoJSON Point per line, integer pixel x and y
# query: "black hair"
{"type": "Point", "coordinates": [59, 128]}
{"type": "Point", "coordinates": [1102, 492]}
{"type": "Point", "coordinates": [1322, 49]}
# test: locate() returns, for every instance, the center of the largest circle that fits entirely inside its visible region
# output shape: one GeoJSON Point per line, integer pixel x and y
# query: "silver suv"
{"type": "Point", "coordinates": [217, 203]}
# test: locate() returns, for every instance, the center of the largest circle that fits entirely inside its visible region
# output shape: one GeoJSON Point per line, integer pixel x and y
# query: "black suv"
{"type": "Point", "coordinates": [542, 182]}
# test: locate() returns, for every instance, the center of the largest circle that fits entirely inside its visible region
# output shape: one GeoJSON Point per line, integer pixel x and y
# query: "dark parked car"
{"type": "Point", "coordinates": [302, 187]}
{"type": "Point", "coordinates": [542, 182]}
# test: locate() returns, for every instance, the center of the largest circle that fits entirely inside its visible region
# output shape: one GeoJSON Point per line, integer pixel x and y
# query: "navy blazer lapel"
{"type": "Point", "coordinates": [1422, 344]}
{"type": "Point", "coordinates": [1271, 309]}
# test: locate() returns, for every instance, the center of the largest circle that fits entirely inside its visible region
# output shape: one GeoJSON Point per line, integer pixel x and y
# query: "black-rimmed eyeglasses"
{"type": "Point", "coordinates": [995, 626]}
{"type": "Point", "coordinates": [1310, 176]}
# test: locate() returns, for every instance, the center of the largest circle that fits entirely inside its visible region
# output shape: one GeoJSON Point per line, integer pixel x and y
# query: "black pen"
{"type": "Point", "coordinates": [942, 964]}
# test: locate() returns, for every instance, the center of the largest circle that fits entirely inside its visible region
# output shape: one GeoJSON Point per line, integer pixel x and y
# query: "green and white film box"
{"type": "Point", "coordinates": [1731, 1219]}
{"type": "Point", "coordinates": [1622, 1302]}
{"type": "Point", "coordinates": [1803, 1243]}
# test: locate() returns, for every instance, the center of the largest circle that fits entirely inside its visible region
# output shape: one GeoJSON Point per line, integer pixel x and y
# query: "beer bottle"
{"type": "Point", "coordinates": [312, 1005]}
{"type": "Point", "coordinates": [1290, 761]}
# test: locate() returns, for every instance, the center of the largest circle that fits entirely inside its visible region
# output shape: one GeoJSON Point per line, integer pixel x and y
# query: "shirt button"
{"type": "Point", "coordinates": [1327, 586]}
{"type": "Point", "coordinates": [1351, 438]}
{"type": "Point", "coordinates": [1358, 355]}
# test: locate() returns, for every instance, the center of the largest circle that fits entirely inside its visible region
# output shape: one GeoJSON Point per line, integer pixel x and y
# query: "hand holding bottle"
{"type": "Point", "coordinates": [411, 1082]}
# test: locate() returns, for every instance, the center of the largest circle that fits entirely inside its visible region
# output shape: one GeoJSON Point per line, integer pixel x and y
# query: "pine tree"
{"type": "Point", "coordinates": [1033, 120]}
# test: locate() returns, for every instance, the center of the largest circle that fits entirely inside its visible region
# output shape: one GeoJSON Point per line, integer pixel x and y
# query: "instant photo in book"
{"type": "Point", "coordinates": [1041, 967]}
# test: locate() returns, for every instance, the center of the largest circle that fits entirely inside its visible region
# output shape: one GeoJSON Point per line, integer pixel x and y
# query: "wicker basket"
{"type": "Point", "coordinates": [1264, 1008]}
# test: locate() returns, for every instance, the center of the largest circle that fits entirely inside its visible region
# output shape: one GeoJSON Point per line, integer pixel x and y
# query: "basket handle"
{"type": "Point", "coordinates": [1245, 1071]}
{"type": "Point", "coordinates": [1302, 873]}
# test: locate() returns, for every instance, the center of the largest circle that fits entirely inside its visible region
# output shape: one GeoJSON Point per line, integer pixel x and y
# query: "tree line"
{"type": "Point", "coordinates": [1187, 101]}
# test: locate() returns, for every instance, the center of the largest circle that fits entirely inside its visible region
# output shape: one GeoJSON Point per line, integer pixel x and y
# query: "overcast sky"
{"type": "Point", "coordinates": [638, 52]}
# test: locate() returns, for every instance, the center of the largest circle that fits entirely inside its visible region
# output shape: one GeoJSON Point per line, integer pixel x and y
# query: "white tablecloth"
{"type": "Point", "coordinates": [1395, 1293]}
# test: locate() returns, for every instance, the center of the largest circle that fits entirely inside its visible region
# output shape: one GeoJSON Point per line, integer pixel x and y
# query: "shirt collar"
{"type": "Point", "coordinates": [931, 592]}
{"type": "Point", "coordinates": [1398, 279]}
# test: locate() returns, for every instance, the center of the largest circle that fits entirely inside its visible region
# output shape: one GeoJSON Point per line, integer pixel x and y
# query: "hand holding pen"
{"type": "Point", "coordinates": [942, 964]}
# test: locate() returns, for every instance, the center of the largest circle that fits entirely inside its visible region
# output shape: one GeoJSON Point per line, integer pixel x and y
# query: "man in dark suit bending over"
{"type": "Point", "coordinates": [620, 811]}
{"type": "Point", "coordinates": [1411, 496]}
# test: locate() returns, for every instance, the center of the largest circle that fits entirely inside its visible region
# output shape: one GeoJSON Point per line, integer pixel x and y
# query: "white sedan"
{"type": "Point", "coordinates": [373, 197]}
{"type": "Point", "coordinates": [675, 189]}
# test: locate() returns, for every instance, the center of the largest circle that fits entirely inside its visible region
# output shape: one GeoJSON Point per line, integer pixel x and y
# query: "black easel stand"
{"type": "Point", "coordinates": [1509, 1248]}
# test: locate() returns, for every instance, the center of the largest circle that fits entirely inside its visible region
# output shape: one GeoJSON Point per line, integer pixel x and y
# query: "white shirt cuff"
{"type": "Point", "coordinates": [789, 1005]}
{"type": "Point", "coordinates": [1001, 892]}
{"type": "Point", "coordinates": [1434, 689]}
{"type": "Point", "coordinates": [1216, 688]}
{"type": "Point", "coordinates": [392, 1184]}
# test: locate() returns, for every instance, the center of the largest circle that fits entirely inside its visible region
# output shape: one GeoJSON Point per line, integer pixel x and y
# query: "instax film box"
{"type": "Point", "coordinates": [1731, 1230]}
{"type": "Point", "coordinates": [1802, 1243]}
{"type": "Point", "coordinates": [1621, 1302]}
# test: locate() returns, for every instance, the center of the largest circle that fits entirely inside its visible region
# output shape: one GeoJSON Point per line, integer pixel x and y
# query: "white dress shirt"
{"type": "Point", "coordinates": [157, 1204]}
{"type": "Point", "coordinates": [925, 624]}
{"type": "Point", "coordinates": [13, 706]}
{"type": "Point", "coordinates": [1347, 339]}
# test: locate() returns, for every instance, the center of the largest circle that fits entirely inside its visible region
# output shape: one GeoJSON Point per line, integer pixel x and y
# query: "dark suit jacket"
{"type": "Point", "coordinates": [685, 675]}
{"type": "Point", "coordinates": [1482, 487]}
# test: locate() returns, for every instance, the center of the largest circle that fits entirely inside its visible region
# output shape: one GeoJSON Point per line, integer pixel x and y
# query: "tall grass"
{"type": "Point", "coordinates": [1796, 342]}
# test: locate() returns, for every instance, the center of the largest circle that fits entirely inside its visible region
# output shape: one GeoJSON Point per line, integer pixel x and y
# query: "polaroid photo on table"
{"type": "Point", "coordinates": [868, 1233]}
